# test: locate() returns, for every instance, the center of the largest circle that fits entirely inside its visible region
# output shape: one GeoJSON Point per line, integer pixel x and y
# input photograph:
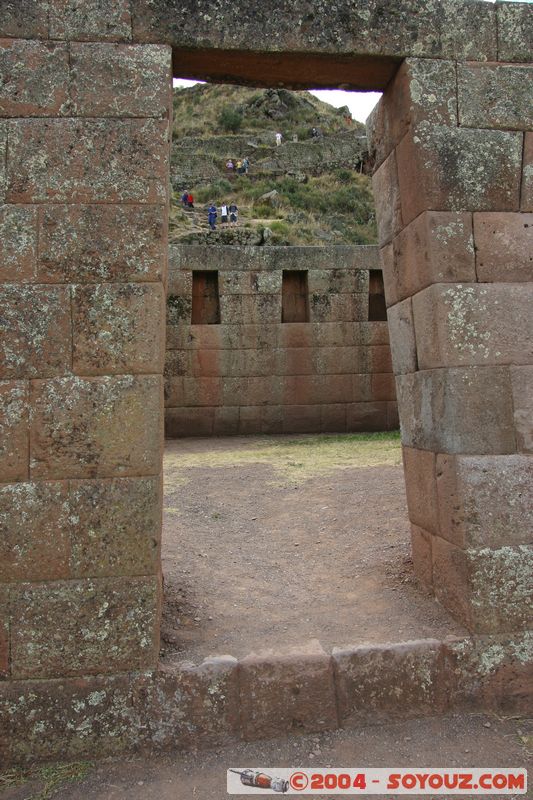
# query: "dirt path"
{"type": "Point", "coordinates": [271, 542]}
{"type": "Point", "coordinates": [452, 741]}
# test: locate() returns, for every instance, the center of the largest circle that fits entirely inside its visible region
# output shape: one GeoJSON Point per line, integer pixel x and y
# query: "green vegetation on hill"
{"type": "Point", "coordinates": [330, 205]}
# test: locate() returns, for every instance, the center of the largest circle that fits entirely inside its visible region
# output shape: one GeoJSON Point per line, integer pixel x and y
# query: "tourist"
{"type": "Point", "coordinates": [224, 215]}
{"type": "Point", "coordinates": [233, 214]}
{"type": "Point", "coordinates": [185, 199]}
{"type": "Point", "coordinates": [279, 137]}
{"type": "Point", "coordinates": [230, 165]}
{"type": "Point", "coordinates": [190, 201]}
{"type": "Point", "coordinates": [212, 216]}
{"type": "Point", "coordinates": [245, 165]}
{"type": "Point", "coordinates": [239, 166]}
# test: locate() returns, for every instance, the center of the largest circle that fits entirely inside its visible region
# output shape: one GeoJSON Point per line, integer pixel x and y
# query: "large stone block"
{"type": "Point", "coordinates": [84, 627]}
{"type": "Point", "coordinates": [515, 31]}
{"type": "Point", "coordinates": [422, 89]}
{"type": "Point", "coordinates": [388, 201]}
{"type": "Point", "coordinates": [115, 527]}
{"type": "Point", "coordinates": [504, 244]}
{"type": "Point", "coordinates": [96, 427]}
{"type": "Point", "coordinates": [113, 80]}
{"type": "Point", "coordinates": [3, 160]}
{"type": "Point", "coordinates": [458, 169]}
{"type": "Point", "coordinates": [84, 161]}
{"type": "Point", "coordinates": [96, 243]}
{"type": "Point", "coordinates": [522, 386]}
{"type": "Point", "coordinates": [495, 96]}
{"type": "Point", "coordinates": [456, 29]}
{"type": "Point", "coordinates": [421, 545]}
{"type": "Point", "coordinates": [381, 682]}
{"type": "Point", "coordinates": [474, 324]}
{"type": "Point", "coordinates": [4, 639]}
{"type": "Point", "coordinates": [35, 78]}
{"type": "Point", "coordinates": [310, 389]}
{"type": "Point", "coordinates": [526, 199]}
{"type": "Point", "coordinates": [488, 590]}
{"type": "Point", "coordinates": [14, 430]}
{"type": "Point", "coordinates": [118, 328]}
{"type": "Point", "coordinates": [367, 416]}
{"type": "Point", "coordinates": [402, 337]}
{"type": "Point", "coordinates": [485, 501]}
{"type": "Point", "coordinates": [93, 19]}
{"type": "Point", "coordinates": [189, 422]}
{"type": "Point", "coordinates": [226, 422]}
{"type": "Point", "coordinates": [436, 247]}
{"type": "Point", "coordinates": [24, 19]}
{"type": "Point", "coordinates": [457, 410]}
{"type": "Point", "coordinates": [284, 692]}
{"type": "Point", "coordinates": [421, 488]}
{"type": "Point", "coordinates": [382, 386]}
{"type": "Point", "coordinates": [207, 713]}
{"type": "Point", "coordinates": [18, 243]}
{"type": "Point", "coordinates": [34, 531]}
{"type": "Point", "coordinates": [36, 331]}
{"type": "Point", "coordinates": [302, 418]}
{"type": "Point", "coordinates": [72, 718]}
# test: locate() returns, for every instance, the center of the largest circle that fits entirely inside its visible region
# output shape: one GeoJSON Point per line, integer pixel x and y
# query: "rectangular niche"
{"type": "Point", "coordinates": [295, 296]}
{"type": "Point", "coordinates": [377, 309]}
{"type": "Point", "coordinates": [205, 299]}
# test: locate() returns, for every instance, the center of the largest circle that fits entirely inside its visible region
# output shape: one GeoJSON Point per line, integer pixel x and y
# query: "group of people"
{"type": "Point", "coordinates": [241, 167]}
{"type": "Point", "coordinates": [228, 215]}
{"type": "Point", "coordinates": [187, 200]}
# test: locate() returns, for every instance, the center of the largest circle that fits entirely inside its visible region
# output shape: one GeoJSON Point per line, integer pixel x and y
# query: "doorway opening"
{"type": "Point", "coordinates": [285, 516]}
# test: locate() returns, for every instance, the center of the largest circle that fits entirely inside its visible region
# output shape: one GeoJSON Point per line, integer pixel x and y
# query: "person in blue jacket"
{"type": "Point", "coordinates": [212, 216]}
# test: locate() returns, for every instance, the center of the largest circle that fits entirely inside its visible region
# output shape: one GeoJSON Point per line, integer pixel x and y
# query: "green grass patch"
{"type": "Point", "coordinates": [48, 778]}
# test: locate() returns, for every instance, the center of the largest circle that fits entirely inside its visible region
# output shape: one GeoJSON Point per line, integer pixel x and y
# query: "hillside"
{"type": "Point", "coordinates": [312, 189]}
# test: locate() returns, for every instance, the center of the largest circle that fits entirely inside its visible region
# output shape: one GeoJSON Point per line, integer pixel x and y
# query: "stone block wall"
{"type": "Point", "coordinates": [84, 142]}
{"type": "Point", "coordinates": [452, 146]}
{"type": "Point", "coordinates": [253, 373]}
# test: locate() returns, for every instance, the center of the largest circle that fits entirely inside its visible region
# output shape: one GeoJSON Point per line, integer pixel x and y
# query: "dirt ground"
{"type": "Point", "coordinates": [453, 741]}
{"type": "Point", "coordinates": [275, 541]}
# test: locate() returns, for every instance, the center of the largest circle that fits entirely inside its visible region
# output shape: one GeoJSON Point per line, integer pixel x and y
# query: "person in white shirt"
{"type": "Point", "coordinates": [224, 215]}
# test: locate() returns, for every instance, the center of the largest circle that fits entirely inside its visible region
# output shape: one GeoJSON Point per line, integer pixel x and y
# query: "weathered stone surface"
{"type": "Point", "coordinates": [207, 711]}
{"type": "Point", "coordinates": [3, 157]}
{"type": "Point", "coordinates": [226, 421]}
{"type": "Point", "coordinates": [94, 19]}
{"type": "Point", "coordinates": [18, 243]}
{"type": "Point", "coordinates": [402, 339]}
{"type": "Point", "coordinates": [457, 410]}
{"type": "Point", "coordinates": [421, 488]}
{"type": "Point", "coordinates": [437, 247]}
{"type": "Point", "coordinates": [382, 386]}
{"type": "Point", "coordinates": [115, 527]}
{"type": "Point", "coordinates": [34, 531]}
{"type": "Point", "coordinates": [300, 419]}
{"type": "Point", "coordinates": [71, 718]}
{"type": "Point", "coordinates": [287, 692]}
{"type": "Point", "coordinates": [421, 554]}
{"type": "Point", "coordinates": [96, 243]}
{"type": "Point", "coordinates": [488, 590]}
{"type": "Point", "coordinates": [459, 29]}
{"type": "Point", "coordinates": [458, 169]}
{"type": "Point", "coordinates": [515, 31]}
{"type": "Point", "coordinates": [522, 387]}
{"type": "Point", "coordinates": [84, 161]}
{"type": "Point", "coordinates": [504, 246]}
{"type": "Point", "coordinates": [495, 96]}
{"type": "Point", "coordinates": [474, 324]}
{"type": "Point", "coordinates": [526, 200]}
{"type": "Point", "coordinates": [14, 426]}
{"type": "Point", "coordinates": [485, 501]}
{"type": "Point", "coordinates": [24, 19]}
{"type": "Point", "coordinates": [84, 627]}
{"type": "Point", "coordinates": [35, 331]}
{"type": "Point", "coordinates": [367, 416]}
{"type": "Point", "coordinates": [422, 89]}
{"type": "Point", "coordinates": [35, 78]}
{"type": "Point", "coordinates": [382, 682]}
{"type": "Point", "coordinates": [112, 80]}
{"type": "Point", "coordinates": [96, 427]}
{"type": "Point", "coordinates": [118, 328]}
{"type": "Point", "coordinates": [388, 201]}
{"type": "Point", "coordinates": [188, 421]}
{"type": "Point", "coordinates": [4, 641]}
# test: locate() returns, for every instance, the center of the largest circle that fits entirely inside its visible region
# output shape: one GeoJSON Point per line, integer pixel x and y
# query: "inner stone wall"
{"type": "Point", "coordinates": [253, 373]}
